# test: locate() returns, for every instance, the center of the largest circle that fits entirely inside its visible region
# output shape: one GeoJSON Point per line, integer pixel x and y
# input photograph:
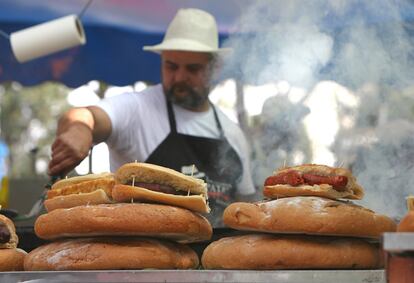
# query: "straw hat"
{"type": "Point", "coordinates": [190, 30]}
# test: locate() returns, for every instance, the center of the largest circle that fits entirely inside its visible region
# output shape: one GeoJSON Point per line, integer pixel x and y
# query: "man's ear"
{"type": "Point", "coordinates": [216, 62]}
{"type": "Point", "coordinates": [214, 66]}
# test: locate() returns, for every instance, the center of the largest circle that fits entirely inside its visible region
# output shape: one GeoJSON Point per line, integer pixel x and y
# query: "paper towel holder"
{"type": "Point", "coordinates": [47, 38]}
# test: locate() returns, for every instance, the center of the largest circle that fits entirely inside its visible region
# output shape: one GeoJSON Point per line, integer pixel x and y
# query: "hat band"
{"type": "Point", "coordinates": [184, 45]}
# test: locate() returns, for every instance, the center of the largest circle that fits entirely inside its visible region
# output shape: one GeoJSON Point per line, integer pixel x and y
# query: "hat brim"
{"type": "Point", "coordinates": [184, 45]}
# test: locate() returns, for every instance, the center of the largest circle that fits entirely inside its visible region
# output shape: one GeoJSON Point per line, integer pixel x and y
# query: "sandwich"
{"type": "Point", "coordinates": [308, 215]}
{"type": "Point", "coordinates": [11, 258]}
{"type": "Point", "coordinates": [121, 209]}
{"type": "Point", "coordinates": [312, 180]}
{"type": "Point", "coordinates": [143, 182]}
{"type": "Point", "coordinates": [120, 220]}
{"type": "Point", "coordinates": [80, 190]}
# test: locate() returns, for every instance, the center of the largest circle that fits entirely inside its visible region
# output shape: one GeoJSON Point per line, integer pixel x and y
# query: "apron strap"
{"type": "Point", "coordinates": [171, 117]}
{"type": "Point", "coordinates": [173, 124]}
{"type": "Point", "coordinates": [217, 120]}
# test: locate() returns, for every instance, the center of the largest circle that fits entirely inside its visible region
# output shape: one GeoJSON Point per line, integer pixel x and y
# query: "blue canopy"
{"type": "Point", "coordinates": [115, 31]}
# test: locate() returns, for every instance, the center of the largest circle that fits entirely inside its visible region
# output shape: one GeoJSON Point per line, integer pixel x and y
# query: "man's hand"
{"type": "Point", "coordinates": [70, 148]}
{"type": "Point", "coordinates": [77, 129]}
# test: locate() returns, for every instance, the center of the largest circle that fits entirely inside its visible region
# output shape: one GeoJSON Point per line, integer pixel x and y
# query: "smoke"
{"type": "Point", "coordinates": [271, 46]}
{"type": "Point", "coordinates": [354, 44]}
{"type": "Point", "coordinates": [386, 168]}
{"type": "Point", "coordinates": [303, 42]}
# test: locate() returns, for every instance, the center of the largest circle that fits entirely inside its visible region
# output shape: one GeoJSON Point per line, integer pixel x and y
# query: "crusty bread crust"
{"type": "Point", "coordinates": [150, 173]}
{"type": "Point", "coordinates": [14, 240]}
{"type": "Point", "coordinates": [80, 179]}
{"type": "Point", "coordinates": [111, 254]}
{"type": "Point", "coordinates": [269, 252]}
{"type": "Point", "coordinates": [125, 193]}
{"type": "Point", "coordinates": [352, 191]}
{"type": "Point", "coordinates": [83, 184]}
{"type": "Point", "coordinates": [308, 215]}
{"type": "Point", "coordinates": [96, 197]}
{"type": "Point", "coordinates": [407, 223]}
{"type": "Point", "coordinates": [134, 219]}
{"type": "Point", "coordinates": [12, 259]}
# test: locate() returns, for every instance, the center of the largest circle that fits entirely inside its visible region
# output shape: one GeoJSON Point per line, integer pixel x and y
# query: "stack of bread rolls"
{"type": "Point", "coordinates": [304, 223]}
{"type": "Point", "coordinates": [128, 220]}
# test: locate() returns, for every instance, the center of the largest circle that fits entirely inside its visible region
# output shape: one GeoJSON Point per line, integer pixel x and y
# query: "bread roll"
{"type": "Point", "coordinates": [308, 215]}
{"type": "Point", "coordinates": [96, 197]}
{"type": "Point", "coordinates": [8, 237]}
{"type": "Point", "coordinates": [407, 223]}
{"type": "Point", "coordinates": [67, 182]}
{"type": "Point", "coordinates": [83, 184]}
{"type": "Point", "coordinates": [12, 259]}
{"type": "Point", "coordinates": [269, 252]}
{"type": "Point", "coordinates": [111, 254]}
{"type": "Point", "coordinates": [150, 173]}
{"type": "Point", "coordinates": [132, 219]}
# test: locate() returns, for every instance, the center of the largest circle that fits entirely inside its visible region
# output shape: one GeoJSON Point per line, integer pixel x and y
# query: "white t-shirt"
{"type": "Point", "coordinates": [140, 123]}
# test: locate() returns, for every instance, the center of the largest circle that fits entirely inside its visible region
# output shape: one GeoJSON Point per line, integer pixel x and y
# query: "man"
{"type": "Point", "coordinates": [172, 124]}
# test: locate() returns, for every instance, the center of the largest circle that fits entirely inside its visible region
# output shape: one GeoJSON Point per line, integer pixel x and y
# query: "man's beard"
{"type": "Point", "coordinates": [193, 98]}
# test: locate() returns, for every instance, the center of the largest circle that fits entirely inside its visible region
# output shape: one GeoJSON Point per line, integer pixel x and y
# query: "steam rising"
{"type": "Point", "coordinates": [362, 46]}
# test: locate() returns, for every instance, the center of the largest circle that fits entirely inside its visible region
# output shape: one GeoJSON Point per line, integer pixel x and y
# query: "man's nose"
{"type": "Point", "coordinates": [181, 75]}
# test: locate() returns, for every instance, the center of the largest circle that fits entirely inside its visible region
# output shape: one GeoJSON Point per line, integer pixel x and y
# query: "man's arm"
{"type": "Point", "coordinates": [77, 130]}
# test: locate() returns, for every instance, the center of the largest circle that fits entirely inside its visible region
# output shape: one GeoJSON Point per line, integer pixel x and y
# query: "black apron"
{"type": "Point", "coordinates": [215, 161]}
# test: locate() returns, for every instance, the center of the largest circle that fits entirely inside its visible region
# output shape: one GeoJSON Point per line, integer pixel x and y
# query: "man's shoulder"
{"type": "Point", "coordinates": [152, 89]}
{"type": "Point", "coordinates": [138, 103]}
{"type": "Point", "coordinates": [153, 92]}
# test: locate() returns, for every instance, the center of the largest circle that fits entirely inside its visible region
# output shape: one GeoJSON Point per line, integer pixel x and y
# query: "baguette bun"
{"type": "Point", "coordinates": [7, 226]}
{"type": "Point", "coordinates": [12, 259]}
{"type": "Point", "coordinates": [150, 173]}
{"type": "Point", "coordinates": [407, 223]}
{"type": "Point", "coordinates": [125, 193]}
{"type": "Point", "coordinates": [140, 219]}
{"type": "Point", "coordinates": [96, 197]}
{"type": "Point", "coordinates": [83, 184]}
{"type": "Point", "coordinates": [352, 190]}
{"type": "Point", "coordinates": [308, 215]}
{"type": "Point", "coordinates": [268, 252]}
{"type": "Point", "coordinates": [111, 253]}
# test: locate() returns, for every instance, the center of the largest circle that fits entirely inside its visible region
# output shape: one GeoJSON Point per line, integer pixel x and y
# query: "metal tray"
{"type": "Point", "coordinates": [285, 276]}
{"type": "Point", "coordinates": [400, 241]}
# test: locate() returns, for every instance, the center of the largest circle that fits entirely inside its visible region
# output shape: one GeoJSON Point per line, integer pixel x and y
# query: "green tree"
{"type": "Point", "coordinates": [28, 120]}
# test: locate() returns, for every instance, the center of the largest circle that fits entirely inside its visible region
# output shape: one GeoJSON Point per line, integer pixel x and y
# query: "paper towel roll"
{"type": "Point", "coordinates": [47, 38]}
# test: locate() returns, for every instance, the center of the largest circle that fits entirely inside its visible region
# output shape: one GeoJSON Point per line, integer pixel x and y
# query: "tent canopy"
{"type": "Point", "coordinates": [115, 33]}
